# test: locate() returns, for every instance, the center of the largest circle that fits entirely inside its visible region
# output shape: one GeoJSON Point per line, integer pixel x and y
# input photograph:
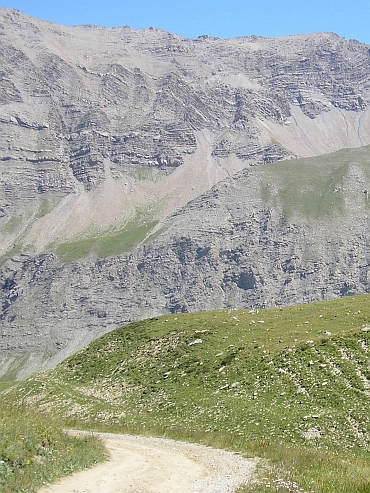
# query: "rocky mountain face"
{"type": "Point", "coordinates": [112, 138]}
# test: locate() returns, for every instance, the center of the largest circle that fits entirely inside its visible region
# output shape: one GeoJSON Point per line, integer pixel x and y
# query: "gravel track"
{"type": "Point", "coordinates": [157, 465]}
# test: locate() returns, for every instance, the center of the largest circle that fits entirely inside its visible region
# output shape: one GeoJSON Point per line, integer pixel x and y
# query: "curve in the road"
{"type": "Point", "coordinates": [157, 465]}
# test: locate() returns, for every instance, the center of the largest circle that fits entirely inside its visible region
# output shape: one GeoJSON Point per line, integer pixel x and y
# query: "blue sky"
{"type": "Point", "coordinates": [221, 18]}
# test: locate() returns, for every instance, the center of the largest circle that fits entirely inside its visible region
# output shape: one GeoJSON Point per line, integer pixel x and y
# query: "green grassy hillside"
{"type": "Point", "coordinates": [291, 385]}
{"type": "Point", "coordinates": [319, 186]}
{"type": "Point", "coordinates": [35, 451]}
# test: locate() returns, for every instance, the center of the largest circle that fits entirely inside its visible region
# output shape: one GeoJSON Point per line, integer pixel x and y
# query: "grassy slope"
{"type": "Point", "coordinates": [34, 450]}
{"type": "Point", "coordinates": [112, 242]}
{"type": "Point", "coordinates": [105, 245]}
{"type": "Point", "coordinates": [317, 187]}
{"type": "Point", "coordinates": [288, 384]}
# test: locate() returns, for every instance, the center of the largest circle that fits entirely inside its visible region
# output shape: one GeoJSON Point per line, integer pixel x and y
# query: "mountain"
{"type": "Point", "coordinates": [139, 177]}
{"type": "Point", "coordinates": [86, 112]}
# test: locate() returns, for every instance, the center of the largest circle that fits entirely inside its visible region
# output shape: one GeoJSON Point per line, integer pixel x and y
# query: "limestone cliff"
{"type": "Point", "coordinates": [83, 109]}
{"type": "Point", "coordinates": [129, 182]}
{"type": "Point", "coordinates": [291, 232]}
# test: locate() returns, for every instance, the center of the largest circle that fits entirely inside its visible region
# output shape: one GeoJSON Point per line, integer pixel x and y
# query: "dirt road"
{"type": "Point", "coordinates": [156, 465]}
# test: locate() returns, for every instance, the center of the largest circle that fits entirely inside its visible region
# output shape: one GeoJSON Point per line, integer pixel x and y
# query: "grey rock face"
{"type": "Point", "coordinates": [73, 97]}
{"type": "Point", "coordinates": [249, 242]}
{"type": "Point", "coordinates": [98, 124]}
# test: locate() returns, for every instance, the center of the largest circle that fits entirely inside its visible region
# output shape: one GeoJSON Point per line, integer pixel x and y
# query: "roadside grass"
{"type": "Point", "coordinates": [289, 385]}
{"type": "Point", "coordinates": [298, 469]}
{"type": "Point", "coordinates": [35, 451]}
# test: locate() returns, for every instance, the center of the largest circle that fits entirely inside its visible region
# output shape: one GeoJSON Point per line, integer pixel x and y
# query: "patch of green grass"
{"type": "Point", "coordinates": [13, 369]}
{"type": "Point", "coordinates": [74, 250]}
{"type": "Point", "coordinates": [314, 187]}
{"type": "Point", "coordinates": [13, 251]}
{"type": "Point", "coordinates": [34, 450]}
{"type": "Point", "coordinates": [106, 244]}
{"type": "Point", "coordinates": [147, 173]}
{"type": "Point", "coordinates": [16, 222]}
{"type": "Point", "coordinates": [283, 384]}
{"type": "Point", "coordinates": [296, 468]}
{"type": "Point", "coordinates": [124, 240]}
{"type": "Point", "coordinates": [12, 225]}
{"type": "Point", "coordinates": [6, 384]}
{"type": "Point", "coordinates": [47, 205]}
